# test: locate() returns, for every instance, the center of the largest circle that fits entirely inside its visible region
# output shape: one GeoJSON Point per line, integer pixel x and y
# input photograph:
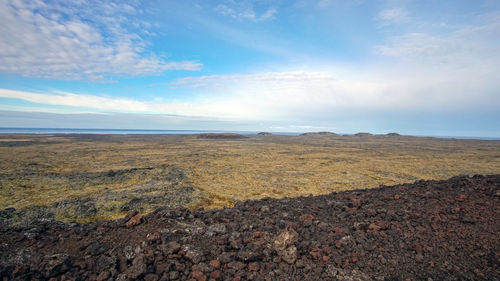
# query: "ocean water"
{"type": "Point", "coordinates": [43, 131]}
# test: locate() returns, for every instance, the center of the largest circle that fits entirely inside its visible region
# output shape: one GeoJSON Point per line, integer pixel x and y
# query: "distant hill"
{"type": "Point", "coordinates": [363, 134]}
{"type": "Point", "coordinates": [319, 133]}
{"type": "Point", "coordinates": [393, 134]}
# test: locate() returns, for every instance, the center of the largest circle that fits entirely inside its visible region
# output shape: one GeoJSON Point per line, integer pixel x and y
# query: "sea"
{"type": "Point", "coordinates": [44, 131]}
{"type": "Point", "coordinates": [50, 131]}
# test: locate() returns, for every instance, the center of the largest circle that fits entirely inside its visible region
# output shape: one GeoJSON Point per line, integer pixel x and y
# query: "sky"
{"type": "Point", "coordinates": [413, 67]}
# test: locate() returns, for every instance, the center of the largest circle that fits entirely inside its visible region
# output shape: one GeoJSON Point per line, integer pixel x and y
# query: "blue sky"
{"type": "Point", "coordinates": [415, 67]}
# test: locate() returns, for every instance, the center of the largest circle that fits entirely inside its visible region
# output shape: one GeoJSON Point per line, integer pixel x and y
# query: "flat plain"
{"type": "Point", "coordinates": [89, 177]}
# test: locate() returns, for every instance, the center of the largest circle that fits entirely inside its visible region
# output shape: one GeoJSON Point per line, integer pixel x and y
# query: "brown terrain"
{"type": "Point", "coordinates": [84, 178]}
{"type": "Point", "coordinates": [176, 207]}
{"type": "Point", "coordinates": [428, 230]}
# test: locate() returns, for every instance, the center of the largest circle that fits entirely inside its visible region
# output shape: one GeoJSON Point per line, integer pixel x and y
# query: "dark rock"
{"type": "Point", "coordinates": [219, 228]}
{"type": "Point", "coordinates": [56, 264]}
{"type": "Point", "coordinates": [345, 275]}
{"type": "Point", "coordinates": [192, 253]}
{"type": "Point", "coordinates": [95, 248]}
{"type": "Point", "coordinates": [151, 277]}
{"type": "Point", "coordinates": [251, 252]}
{"type": "Point", "coordinates": [103, 263]}
{"type": "Point", "coordinates": [173, 275]}
{"type": "Point", "coordinates": [235, 240]}
{"type": "Point", "coordinates": [444, 230]}
{"type": "Point", "coordinates": [129, 252]}
{"type": "Point", "coordinates": [236, 265]}
{"type": "Point", "coordinates": [138, 267]}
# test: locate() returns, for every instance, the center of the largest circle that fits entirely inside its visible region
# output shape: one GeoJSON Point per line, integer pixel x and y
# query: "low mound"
{"type": "Point", "coordinates": [363, 134]}
{"type": "Point", "coordinates": [393, 134]}
{"type": "Point", "coordinates": [226, 136]}
{"type": "Point", "coordinates": [429, 230]}
{"type": "Point", "coordinates": [319, 134]}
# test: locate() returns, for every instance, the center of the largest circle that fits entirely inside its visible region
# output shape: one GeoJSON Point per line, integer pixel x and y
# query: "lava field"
{"type": "Point", "coordinates": [428, 230]}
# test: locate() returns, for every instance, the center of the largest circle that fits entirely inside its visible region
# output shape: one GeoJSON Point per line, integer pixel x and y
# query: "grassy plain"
{"type": "Point", "coordinates": [111, 170]}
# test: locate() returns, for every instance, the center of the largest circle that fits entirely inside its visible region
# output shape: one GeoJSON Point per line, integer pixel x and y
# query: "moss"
{"type": "Point", "coordinates": [44, 172]}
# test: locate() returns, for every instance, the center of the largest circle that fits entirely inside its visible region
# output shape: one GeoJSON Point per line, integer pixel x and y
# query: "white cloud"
{"type": "Point", "coordinates": [118, 104]}
{"type": "Point", "coordinates": [434, 71]}
{"type": "Point", "coordinates": [466, 55]}
{"type": "Point", "coordinates": [303, 95]}
{"type": "Point", "coordinates": [77, 40]}
{"type": "Point", "coordinates": [245, 10]}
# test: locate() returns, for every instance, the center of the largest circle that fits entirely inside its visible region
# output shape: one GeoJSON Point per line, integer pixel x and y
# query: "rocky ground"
{"type": "Point", "coordinates": [429, 230]}
{"type": "Point", "coordinates": [167, 187]}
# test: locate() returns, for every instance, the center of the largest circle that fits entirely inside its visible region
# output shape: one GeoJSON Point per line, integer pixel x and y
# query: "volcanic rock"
{"type": "Point", "coordinates": [435, 230]}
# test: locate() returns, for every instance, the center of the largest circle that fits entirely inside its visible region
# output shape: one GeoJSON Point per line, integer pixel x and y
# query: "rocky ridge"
{"type": "Point", "coordinates": [429, 230]}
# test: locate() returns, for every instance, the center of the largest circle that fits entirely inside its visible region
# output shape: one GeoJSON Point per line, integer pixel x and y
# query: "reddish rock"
{"type": "Point", "coordinates": [374, 227]}
{"type": "Point", "coordinates": [149, 254]}
{"type": "Point", "coordinates": [462, 197]}
{"type": "Point", "coordinates": [434, 232]}
{"type": "Point", "coordinates": [215, 275]}
{"type": "Point", "coordinates": [397, 197]}
{"type": "Point", "coordinates": [253, 266]}
{"type": "Point", "coordinates": [171, 248]}
{"type": "Point", "coordinates": [340, 230]}
{"type": "Point", "coordinates": [327, 250]}
{"type": "Point", "coordinates": [133, 221]}
{"type": "Point", "coordinates": [103, 276]}
{"type": "Point", "coordinates": [356, 202]}
{"type": "Point", "coordinates": [305, 218]}
{"type": "Point", "coordinates": [199, 276]}
{"type": "Point", "coordinates": [237, 278]}
{"type": "Point", "coordinates": [418, 249]}
{"type": "Point", "coordinates": [338, 244]}
{"type": "Point", "coordinates": [315, 254]}
{"type": "Point", "coordinates": [214, 264]}
{"type": "Point", "coordinates": [151, 237]}
{"type": "Point", "coordinates": [129, 215]}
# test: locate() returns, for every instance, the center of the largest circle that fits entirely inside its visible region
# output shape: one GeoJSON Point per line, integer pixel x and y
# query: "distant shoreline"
{"type": "Point", "coordinates": [43, 131]}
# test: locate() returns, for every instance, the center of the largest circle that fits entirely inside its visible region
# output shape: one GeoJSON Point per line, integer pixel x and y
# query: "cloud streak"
{"type": "Point", "coordinates": [77, 40]}
{"type": "Point", "coordinates": [111, 104]}
{"type": "Point", "coordinates": [245, 11]}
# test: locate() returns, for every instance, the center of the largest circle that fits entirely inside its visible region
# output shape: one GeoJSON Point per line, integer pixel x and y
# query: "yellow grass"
{"type": "Point", "coordinates": [230, 170]}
